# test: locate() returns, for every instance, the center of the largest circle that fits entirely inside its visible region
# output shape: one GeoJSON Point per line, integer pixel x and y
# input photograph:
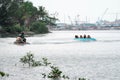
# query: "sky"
{"type": "Point", "coordinates": [81, 10]}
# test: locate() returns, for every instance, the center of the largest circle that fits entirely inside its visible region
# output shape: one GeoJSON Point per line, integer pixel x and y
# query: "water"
{"type": "Point", "coordinates": [98, 60]}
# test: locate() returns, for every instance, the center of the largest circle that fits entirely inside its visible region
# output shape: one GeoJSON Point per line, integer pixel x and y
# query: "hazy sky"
{"type": "Point", "coordinates": [81, 10]}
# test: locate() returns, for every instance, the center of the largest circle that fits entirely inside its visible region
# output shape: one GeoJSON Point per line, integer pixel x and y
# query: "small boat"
{"type": "Point", "coordinates": [20, 43]}
{"type": "Point", "coordinates": [85, 39]}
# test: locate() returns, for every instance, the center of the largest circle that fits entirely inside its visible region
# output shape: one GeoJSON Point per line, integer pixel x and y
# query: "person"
{"type": "Point", "coordinates": [19, 39]}
{"type": "Point", "coordinates": [76, 36]}
{"type": "Point", "coordinates": [84, 36]}
{"type": "Point", "coordinates": [81, 36]}
{"type": "Point", "coordinates": [88, 36]}
{"type": "Point", "coordinates": [22, 36]}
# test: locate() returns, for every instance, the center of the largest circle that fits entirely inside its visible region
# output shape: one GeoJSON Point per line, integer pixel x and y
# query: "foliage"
{"type": "Point", "coordinates": [45, 62]}
{"type": "Point", "coordinates": [42, 13]}
{"type": "Point", "coordinates": [2, 74]}
{"type": "Point", "coordinates": [14, 29]}
{"type": "Point", "coordinates": [81, 79]}
{"type": "Point", "coordinates": [22, 12]}
{"type": "Point", "coordinates": [36, 63]}
{"type": "Point", "coordinates": [29, 59]}
{"type": "Point", "coordinates": [39, 27]}
{"type": "Point", "coordinates": [27, 13]}
{"type": "Point", "coordinates": [8, 9]}
{"type": "Point", "coordinates": [55, 73]}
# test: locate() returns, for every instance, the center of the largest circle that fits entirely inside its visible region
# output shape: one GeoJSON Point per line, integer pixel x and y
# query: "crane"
{"type": "Point", "coordinates": [104, 14]}
{"type": "Point", "coordinates": [100, 21]}
{"type": "Point", "coordinates": [70, 20]}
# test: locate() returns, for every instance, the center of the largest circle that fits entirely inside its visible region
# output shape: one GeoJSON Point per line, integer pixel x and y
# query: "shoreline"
{"type": "Point", "coordinates": [27, 34]}
{"type": "Point", "coordinates": [5, 34]}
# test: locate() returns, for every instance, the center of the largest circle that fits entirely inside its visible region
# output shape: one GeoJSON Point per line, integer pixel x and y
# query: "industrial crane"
{"type": "Point", "coordinates": [100, 21]}
{"type": "Point", "coordinates": [70, 20]}
{"type": "Point", "coordinates": [104, 14]}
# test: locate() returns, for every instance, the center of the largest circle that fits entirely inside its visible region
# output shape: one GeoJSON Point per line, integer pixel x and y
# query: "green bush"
{"type": "Point", "coordinates": [81, 79]}
{"type": "Point", "coordinates": [29, 60]}
{"type": "Point", "coordinates": [2, 74]}
{"type": "Point", "coordinates": [55, 74]}
{"type": "Point", "coordinates": [45, 62]}
{"type": "Point", "coordinates": [39, 27]}
{"type": "Point", "coordinates": [18, 28]}
{"type": "Point", "coordinates": [14, 29]}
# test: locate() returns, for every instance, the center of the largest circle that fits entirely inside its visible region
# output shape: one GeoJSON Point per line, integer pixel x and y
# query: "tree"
{"type": "Point", "coordinates": [44, 16]}
{"type": "Point", "coordinates": [8, 10]}
{"type": "Point", "coordinates": [42, 13]}
{"type": "Point", "coordinates": [4, 17]}
{"type": "Point", "coordinates": [23, 13]}
{"type": "Point", "coordinates": [27, 13]}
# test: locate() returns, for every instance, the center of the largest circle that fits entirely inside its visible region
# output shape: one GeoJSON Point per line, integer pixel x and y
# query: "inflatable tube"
{"type": "Point", "coordinates": [85, 39]}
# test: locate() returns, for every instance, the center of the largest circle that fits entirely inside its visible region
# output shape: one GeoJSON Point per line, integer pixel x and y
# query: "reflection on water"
{"type": "Point", "coordinates": [95, 60]}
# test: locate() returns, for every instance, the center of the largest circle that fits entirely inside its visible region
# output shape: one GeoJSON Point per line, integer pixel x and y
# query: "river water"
{"type": "Point", "coordinates": [94, 60]}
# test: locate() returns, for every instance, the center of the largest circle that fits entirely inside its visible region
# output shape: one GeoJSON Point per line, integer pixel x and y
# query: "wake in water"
{"type": "Point", "coordinates": [70, 41]}
{"type": "Point", "coordinates": [57, 41]}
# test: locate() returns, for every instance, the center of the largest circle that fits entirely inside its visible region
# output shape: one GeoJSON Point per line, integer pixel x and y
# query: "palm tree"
{"type": "Point", "coordinates": [27, 13]}
{"type": "Point", "coordinates": [42, 13]}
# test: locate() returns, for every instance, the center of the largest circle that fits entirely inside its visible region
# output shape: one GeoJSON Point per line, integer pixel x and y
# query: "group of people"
{"type": "Point", "coordinates": [84, 36]}
{"type": "Point", "coordinates": [21, 38]}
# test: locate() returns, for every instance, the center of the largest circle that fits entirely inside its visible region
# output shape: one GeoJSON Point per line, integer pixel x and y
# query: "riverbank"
{"type": "Point", "coordinates": [27, 34]}
{"type": "Point", "coordinates": [6, 34]}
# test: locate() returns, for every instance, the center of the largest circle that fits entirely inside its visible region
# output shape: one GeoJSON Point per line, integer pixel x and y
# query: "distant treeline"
{"type": "Point", "coordinates": [19, 15]}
